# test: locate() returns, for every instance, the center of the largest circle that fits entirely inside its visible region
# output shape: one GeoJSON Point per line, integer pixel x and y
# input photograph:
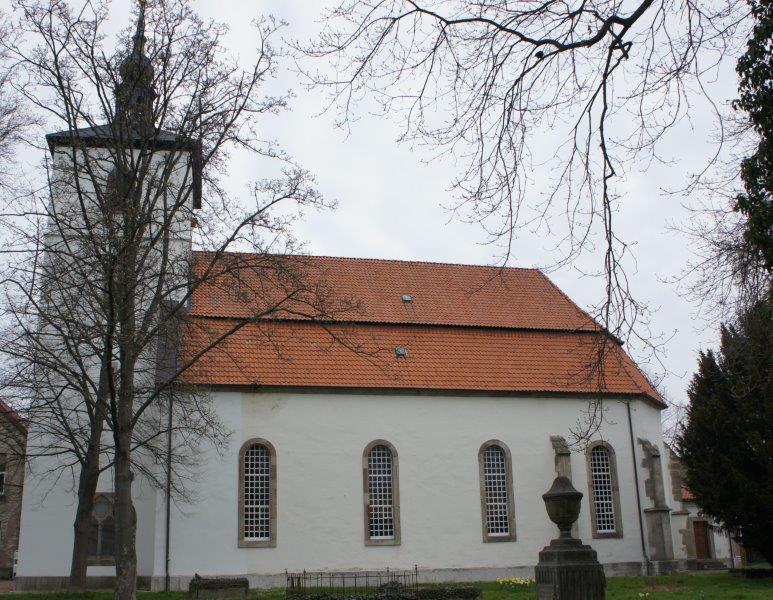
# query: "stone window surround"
{"type": "Point", "coordinates": [510, 537]}
{"type": "Point", "coordinates": [271, 542]}
{"type": "Point", "coordinates": [618, 533]}
{"type": "Point", "coordinates": [394, 541]}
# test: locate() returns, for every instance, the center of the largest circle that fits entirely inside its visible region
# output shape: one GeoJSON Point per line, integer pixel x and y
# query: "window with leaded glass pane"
{"type": "Point", "coordinates": [495, 485]}
{"type": "Point", "coordinates": [257, 493]}
{"type": "Point", "coordinates": [380, 494]}
{"type": "Point", "coordinates": [496, 492]}
{"type": "Point", "coordinates": [603, 491]}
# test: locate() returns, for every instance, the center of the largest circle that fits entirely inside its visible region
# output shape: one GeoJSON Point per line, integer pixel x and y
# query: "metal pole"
{"type": "Point", "coordinates": [638, 495]}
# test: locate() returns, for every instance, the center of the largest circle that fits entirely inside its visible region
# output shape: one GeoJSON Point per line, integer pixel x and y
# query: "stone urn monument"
{"type": "Point", "coordinates": [567, 568]}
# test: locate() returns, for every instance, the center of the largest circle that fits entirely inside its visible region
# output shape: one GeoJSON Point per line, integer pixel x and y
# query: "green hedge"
{"type": "Point", "coordinates": [449, 592]}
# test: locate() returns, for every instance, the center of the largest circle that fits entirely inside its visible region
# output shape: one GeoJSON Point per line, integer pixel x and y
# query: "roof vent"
{"type": "Point", "coordinates": [401, 352]}
{"type": "Point", "coordinates": [407, 298]}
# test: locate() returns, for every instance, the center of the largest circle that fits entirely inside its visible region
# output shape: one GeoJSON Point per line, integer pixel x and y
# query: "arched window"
{"type": "Point", "coordinates": [381, 494]}
{"type": "Point", "coordinates": [604, 491]}
{"type": "Point", "coordinates": [257, 495]}
{"type": "Point", "coordinates": [102, 539]}
{"type": "Point", "coordinates": [496, 492]}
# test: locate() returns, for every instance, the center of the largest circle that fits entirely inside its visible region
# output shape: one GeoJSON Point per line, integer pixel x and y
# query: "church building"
{"type": "Point", "coordinates": [418, 428]}
{"type": "Point", "coordinates": [429, 446]}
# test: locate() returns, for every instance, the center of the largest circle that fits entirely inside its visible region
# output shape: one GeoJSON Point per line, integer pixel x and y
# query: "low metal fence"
{"type": "Point", "coordinates": [380, 585]}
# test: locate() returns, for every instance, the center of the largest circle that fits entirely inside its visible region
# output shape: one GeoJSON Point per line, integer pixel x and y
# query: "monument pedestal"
{"type": "Point", "coordinates": [569, 570]}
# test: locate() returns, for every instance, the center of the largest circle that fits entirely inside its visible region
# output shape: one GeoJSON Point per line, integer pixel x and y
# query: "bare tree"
{"type": "Point", "coordinates": [483, 81]}
{"type": "Point", "coordinates": [102, 272]}
{"type": "Point", "coordinates": [723, 275]}
{"type": "Point", "coordinates": [733, 231]}
{"type": "Point", "coordinates": [16, 120]}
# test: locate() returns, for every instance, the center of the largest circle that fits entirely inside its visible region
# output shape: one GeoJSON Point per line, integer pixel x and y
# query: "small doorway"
{"type": "Point", "coordinates": [701, 533]}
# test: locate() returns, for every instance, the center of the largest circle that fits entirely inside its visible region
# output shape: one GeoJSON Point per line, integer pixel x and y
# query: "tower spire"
{"type": "Point", "coordinates": [135, 93]}
{"type": "Point", "coordinates": [139, 36]}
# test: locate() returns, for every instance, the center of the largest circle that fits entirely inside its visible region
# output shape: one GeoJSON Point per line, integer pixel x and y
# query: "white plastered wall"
{"type": "Point", "coordinates": [319, 439]}
{"type": "Point", "coordinates": [48, 514]}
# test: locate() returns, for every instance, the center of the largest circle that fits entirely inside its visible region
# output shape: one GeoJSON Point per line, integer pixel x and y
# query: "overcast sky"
{"type": "Point", "coordinates": [390, 202]}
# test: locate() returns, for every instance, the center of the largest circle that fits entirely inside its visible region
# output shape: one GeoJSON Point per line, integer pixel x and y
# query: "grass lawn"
{"type": "Point", "coordinates": [709, 586]}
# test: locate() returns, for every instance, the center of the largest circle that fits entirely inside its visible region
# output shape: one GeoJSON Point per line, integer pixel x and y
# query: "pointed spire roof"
{"type": "Point", "coordinates": [135, 92]}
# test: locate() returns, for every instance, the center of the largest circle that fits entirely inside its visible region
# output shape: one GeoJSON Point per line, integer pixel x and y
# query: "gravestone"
{"type": "Point", "coordinates": [222, 588]}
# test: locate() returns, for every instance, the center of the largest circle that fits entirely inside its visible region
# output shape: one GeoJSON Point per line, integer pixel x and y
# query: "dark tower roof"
{"type": "Point", "coordinates": [134, 94]}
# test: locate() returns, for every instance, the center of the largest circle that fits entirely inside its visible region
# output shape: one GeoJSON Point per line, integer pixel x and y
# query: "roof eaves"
{"type": "Point", "coordinates": [321, 388]}
{"type": "Point", "coordinates": [101, 136]}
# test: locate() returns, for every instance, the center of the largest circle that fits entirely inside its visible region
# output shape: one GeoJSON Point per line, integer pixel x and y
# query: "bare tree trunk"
{"type": "Point", "coordinates": [125, 286]}
{"type": "Point", "coordinates": [87, 488]}
{"type": "Point", "coordinates": [125, 514]}
{"type": "Point", "coordinates": [125, 520]}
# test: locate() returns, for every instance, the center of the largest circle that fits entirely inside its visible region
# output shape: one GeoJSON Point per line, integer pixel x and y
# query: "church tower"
{"type": "Point", "coordinates": [96, 167]}
{"type": "Point", "coordinates": [115, 260]}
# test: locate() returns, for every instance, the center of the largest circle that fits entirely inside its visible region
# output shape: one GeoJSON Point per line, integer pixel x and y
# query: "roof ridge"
{"type": "Point", "coordinates": [382, 260]}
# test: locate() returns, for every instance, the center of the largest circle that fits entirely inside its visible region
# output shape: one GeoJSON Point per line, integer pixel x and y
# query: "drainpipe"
{"type": "Point", "coordinates": [168, 492]}
{"type": "Point", "coordinates": [638, 494]}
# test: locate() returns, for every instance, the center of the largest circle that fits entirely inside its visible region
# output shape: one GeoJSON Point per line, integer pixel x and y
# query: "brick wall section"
{"type": "Point", "coordinates": [12, 444]}
{"type": "Point", "coordinates": [677, 470]}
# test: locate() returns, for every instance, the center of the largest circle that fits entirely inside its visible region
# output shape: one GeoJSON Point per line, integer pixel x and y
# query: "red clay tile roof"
{"type": "Point", "coordinates": [13, 417]}
{"type": "Point", "coordinates": [468, 328]}
{"type": "Point", "coordinates": [687, 495]}
{"type": "Point", "coordinates": [443, 294]}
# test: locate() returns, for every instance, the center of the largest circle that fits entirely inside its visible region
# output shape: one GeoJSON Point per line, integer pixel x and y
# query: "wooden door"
{"type": "Point", "coordinates": [701, 533]}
